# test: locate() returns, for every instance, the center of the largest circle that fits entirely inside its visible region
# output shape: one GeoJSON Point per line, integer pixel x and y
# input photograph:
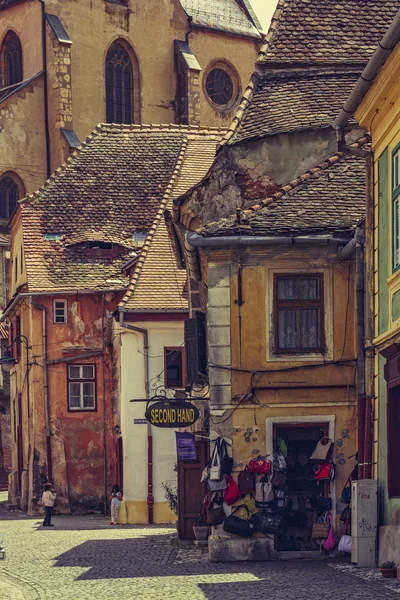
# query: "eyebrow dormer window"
{"type": "Point", "coordinates": [100, 245]}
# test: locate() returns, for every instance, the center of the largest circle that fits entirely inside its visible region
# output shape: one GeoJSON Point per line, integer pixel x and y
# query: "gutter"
{"type": "Point", "coordinates": [45, 91]}
{"type": "Point", "coordinates": [196, 240]}
{"type": "Point", "coordinates": [367, 77]}
{"type": "Point", "coordinates": [150, 495]}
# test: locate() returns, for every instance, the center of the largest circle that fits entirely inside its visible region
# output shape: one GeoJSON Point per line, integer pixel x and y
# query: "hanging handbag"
{"type": "Point", "coordinates": [232, 492]}
{"type": "Point", "coordinates": [238, 526]}
{"type": "Point", "coordinates": [279, 462]}
{"type": "Point", "coordinates": [325, 472]}
{"type": "Point", "coordinates": [226, 461]}
{"type": "Point", "coordinates": [346, 492]}
{"type": "Point", "coordinates": [217, 486]}
{"type": "Point", "coordinates": [218, 499]}
{"type": "Point", "coordinates": [215, 464]}
{"type": "Point", "coordinates": [281, 501]}
{"type": "Point", "coordinates": [279, 479]}
{"type": "Point", "coordinates": [346, 495]}
{"type": "Point", "coordinates": [322, 450]}
{"type": "Point", "coordinates": [345, 544]}
{"type": "Point", "coordinates": [324, 504]}
{"type": "Point", "coordinates": [247, 481]}
{"type": "Point", "coordinates": [264, 496]}
{"type": "Point", "coordinates": [345, 517]}
{"type": "Point", "coordinates": [330, 542]}
{"type": "Point", "coordinates": [320, 530]}
{"type": "Point", "coordinates": [268, 523]}
{"type": "Point", "coordinates": [260, 465]}
{"type": "Point", "coordinates": [215, 516]}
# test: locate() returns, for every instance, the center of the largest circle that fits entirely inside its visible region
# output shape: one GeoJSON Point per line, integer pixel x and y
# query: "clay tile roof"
{"type": "Point", "coordinates": [223, 15]}
{"type": "Point", "coordinates": [156, 282]}
{"type": "Point", "coordinates": [327, 198]}
{"type": "Point", "coordinates": [291, 101]}
{"type": "Point", "coordinates": [327, 31]}
{"type": "Point", "coordinates": [336, 37]}
{"type": "Point", "coordinates": [110, 188]}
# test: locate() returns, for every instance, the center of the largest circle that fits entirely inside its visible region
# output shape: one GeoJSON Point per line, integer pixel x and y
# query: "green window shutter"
{"type": "Point", "coordinates": [383, 228]}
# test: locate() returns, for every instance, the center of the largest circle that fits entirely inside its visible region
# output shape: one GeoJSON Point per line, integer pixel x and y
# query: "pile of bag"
{"type": "Point", "coordinates": [264, 494]}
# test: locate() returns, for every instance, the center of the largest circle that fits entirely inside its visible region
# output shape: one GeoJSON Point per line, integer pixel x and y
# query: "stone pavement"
{"type": "Point", "coordinates": [83, 558]}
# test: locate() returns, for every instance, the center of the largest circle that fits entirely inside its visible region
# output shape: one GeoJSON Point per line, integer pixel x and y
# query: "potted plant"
{"type": "Point", "coordinates": [200, 528]}
{"type": "Point", "coordinates": [388, 569]}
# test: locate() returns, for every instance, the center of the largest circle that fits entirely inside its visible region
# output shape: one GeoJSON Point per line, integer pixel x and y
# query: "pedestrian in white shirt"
{"type": "Point", "coordinates": [48, 499]}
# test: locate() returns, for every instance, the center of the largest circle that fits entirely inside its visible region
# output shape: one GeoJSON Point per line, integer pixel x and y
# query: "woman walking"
{"type": "Point", "coordinates": [116, 498]}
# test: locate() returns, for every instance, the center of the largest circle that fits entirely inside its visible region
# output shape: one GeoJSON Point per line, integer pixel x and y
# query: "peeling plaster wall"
{"type": "Point", "coordinates": [82, 442]}
{"type": "Point", "coordinates": [247, 172]}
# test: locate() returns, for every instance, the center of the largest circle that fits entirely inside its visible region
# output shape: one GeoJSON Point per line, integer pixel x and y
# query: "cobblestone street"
{"type": "Point", "coordinates": [84, 558]}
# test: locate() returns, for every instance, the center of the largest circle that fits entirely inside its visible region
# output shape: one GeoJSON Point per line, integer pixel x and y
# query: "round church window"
{"type": "Point", "coordinates": [221, 85]}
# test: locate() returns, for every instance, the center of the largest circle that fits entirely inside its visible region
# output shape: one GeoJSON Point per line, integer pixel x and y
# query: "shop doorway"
{"type": "Point", "coordinates": [308, 500]}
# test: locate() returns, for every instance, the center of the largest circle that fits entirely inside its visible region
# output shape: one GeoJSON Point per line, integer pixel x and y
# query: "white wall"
{"type": "Point", "coordinates": [160, 335]}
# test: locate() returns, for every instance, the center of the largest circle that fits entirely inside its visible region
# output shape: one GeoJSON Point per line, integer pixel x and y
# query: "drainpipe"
{"type": "Point", "coordinates": [364, 417]}
{"type": "Point", "coordinates": [369, 321]}
{"type": "Point", "coordinates": [46, 387]}
{"type": "Point", "coordinates": [150, 496]}
{"type": "Point", "coordinates": [365, 353]}
{"type": "Point", "coordinates": [105, 464]}
{"type": "Point", "coordinates": [361, 405]}
{"type": "Point", "coordinates": [45, 91]}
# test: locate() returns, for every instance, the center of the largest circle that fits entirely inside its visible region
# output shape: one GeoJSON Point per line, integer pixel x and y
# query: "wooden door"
{"type": "Point", "coordinates": [191, 491]}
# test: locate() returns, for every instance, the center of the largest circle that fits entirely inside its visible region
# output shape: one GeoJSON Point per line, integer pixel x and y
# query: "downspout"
{"type": "Point", "coordinates": [46, 387]}
{"type": "Point", "coordinates": [365, 352]}
{"type": "Point", "coordinates": [105, 465]}
{"type": "Point", "coordinates": [369, 316]}
{"type": "Point", "coordinates": [150, 496]}
{"type": "Point", "coordinates": [361, 404]}
{"type": "Point", "coordinates": [45, 91]}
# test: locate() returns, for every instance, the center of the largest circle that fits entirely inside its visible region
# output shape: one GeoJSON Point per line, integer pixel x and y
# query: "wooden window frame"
{"type": "Point", "coordinates": [320, 303]}
{"type": "Point", "coordinates": [65, 303]}
{"type": "Point", "coordinates": [73, 380]}
{"type": "Point", "coordinates": [395, 196]}
{"type": "Point", "coordinates": [182, 353]}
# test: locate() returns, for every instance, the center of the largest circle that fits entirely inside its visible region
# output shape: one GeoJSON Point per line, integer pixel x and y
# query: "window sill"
{"type": "Point", "coordinates": [298, 357]}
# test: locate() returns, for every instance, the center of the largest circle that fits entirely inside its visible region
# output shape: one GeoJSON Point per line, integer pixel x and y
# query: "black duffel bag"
{"type": "Point", "coordinates": [238, 526]}
{"type": "Point", "coordinates": [268, 523]}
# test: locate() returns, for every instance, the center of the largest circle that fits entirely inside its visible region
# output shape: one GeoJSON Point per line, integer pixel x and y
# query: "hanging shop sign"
{"type": "Point", "coordinates": [176, 414]}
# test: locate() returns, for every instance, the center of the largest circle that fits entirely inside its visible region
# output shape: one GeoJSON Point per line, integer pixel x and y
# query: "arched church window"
{"type": "Point", "coordinates": [119, 85]}
{"type": "Point", "coordinates": [9, 196]}
{"type": "Point", "coordinates": [12, 56]}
